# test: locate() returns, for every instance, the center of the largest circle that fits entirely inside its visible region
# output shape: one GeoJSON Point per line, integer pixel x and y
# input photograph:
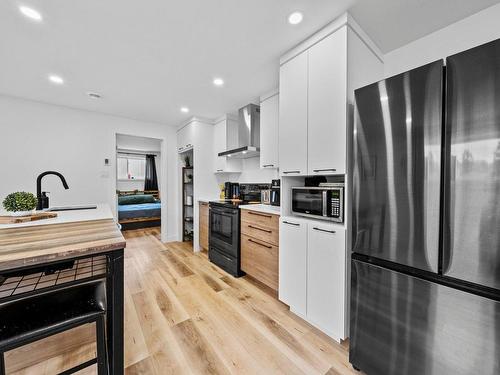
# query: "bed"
{"type": "Point", "coordinates": [139, 209]}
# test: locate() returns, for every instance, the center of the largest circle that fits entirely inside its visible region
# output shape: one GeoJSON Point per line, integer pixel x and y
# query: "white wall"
{"type": "Point", "coordinates": [472, 31]}
{"type": "Point", "coordinates": [36, 137]}
{"type": "Point", "coordinates": [141, 144]}
{"type": "Point", "coordinates": [251, 172]}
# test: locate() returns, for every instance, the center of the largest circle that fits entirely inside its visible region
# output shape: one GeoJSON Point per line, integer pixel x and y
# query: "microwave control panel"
{"type": "Point", "coordinates": [335, 204]}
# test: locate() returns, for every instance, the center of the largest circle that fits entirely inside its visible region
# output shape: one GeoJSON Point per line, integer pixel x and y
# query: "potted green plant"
{"type": "Point", "coordinates": [20, 203]}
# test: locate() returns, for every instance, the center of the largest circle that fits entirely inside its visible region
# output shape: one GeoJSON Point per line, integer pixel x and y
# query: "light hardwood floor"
{"type": "Point", "coordinates": [183, 315]}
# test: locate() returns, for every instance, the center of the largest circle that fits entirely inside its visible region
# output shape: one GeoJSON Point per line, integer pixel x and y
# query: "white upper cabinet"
{"type": "Point", "coordinates": [293, 116]}
{"type": "Point", "coordinates": [292, 263]}
{"type": "Point", "coordinates": [327, 105]}
{"type": "Point", "coordinates": [185, 138]}
{"type": "Point", "coordinates": [326, 278]}
{"type": "Point", "coordinates": [317, 82]}
{"type": "Point", "coordinates": [225, 137]}
{"type": "Point", "coordinates": [269, 130]}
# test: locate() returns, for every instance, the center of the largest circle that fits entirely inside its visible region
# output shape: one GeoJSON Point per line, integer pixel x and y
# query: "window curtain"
{"type": "Point", "coordinates": [151, 179]}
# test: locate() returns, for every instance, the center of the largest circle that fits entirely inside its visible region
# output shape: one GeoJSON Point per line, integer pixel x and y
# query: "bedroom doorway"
{"type": "Point", "coordinates": [138, 176]}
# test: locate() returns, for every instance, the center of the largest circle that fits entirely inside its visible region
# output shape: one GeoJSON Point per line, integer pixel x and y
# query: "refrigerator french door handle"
{"type": "Point", "coordinates": [449, 218]}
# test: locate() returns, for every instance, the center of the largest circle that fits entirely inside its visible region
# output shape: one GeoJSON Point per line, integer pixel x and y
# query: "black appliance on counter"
{"type": "Point", "coordinates": [232, 190]}
{"type": "Point", "coordinates": [224, 228]}
{"type": "Point", "coordinates": [425, 275]}
{"type": "Point", "coordinates": [275, 193]}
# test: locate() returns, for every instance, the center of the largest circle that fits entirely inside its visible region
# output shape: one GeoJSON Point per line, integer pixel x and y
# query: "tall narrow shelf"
{"type": "Point", "coordinates": [187, 209]}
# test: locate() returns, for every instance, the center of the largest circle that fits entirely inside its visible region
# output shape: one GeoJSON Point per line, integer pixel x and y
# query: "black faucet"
{"type": "Point", "coordinates": [43, 200]}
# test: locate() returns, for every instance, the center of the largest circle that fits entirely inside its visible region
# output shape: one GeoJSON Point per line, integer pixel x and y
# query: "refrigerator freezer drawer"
{"type": "Point", "coordinates": [405, 325]}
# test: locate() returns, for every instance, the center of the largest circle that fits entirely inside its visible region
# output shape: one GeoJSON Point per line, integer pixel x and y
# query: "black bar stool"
{"type": "Point", "coordinates": [33, 318]}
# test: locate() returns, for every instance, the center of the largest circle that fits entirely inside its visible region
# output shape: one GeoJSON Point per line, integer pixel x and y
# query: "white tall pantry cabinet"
{"type": "Point", "coordinates": [316, 112]}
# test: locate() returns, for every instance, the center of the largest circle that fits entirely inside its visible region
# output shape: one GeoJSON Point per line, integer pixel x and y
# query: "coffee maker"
{"type": "Point", "coordinates": [275, 192]}
{"type": "Point", "coordinates": [232, 190]}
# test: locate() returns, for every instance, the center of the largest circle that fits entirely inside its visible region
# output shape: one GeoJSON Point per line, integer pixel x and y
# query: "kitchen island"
{"type": "Point", "coordinates": [70, 250]}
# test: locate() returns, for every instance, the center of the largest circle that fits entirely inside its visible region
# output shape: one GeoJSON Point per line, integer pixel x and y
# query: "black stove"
{"type": "Point", "coordinates": [232, 203]}
{"type": "Point", "coordinates": [224, 228]}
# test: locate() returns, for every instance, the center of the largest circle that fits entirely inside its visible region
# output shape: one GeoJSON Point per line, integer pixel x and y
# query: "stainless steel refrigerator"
{"type": "Point", "coordinates": [425, 276]}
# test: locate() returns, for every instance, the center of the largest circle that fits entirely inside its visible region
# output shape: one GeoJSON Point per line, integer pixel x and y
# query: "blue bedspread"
{"type": "Point", "coordinates": [131, 211]}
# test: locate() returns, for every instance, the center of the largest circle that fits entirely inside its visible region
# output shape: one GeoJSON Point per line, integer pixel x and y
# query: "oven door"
{"type": "Point", "coordinates": [224, 230]}
{"type": "Point", "coordinates": [309, 201]}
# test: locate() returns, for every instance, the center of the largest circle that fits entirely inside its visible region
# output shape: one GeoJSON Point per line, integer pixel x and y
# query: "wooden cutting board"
{"type": "Point", "coordinates": [24, 219]}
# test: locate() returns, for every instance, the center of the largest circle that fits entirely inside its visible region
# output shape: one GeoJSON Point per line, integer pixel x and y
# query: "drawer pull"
{"type": "Point", "coordinates": [259, 214]}
{"type": "Point", "coordinates": [261, 229]}
{"type": "Point", "coordinates": [289, 223]}
{"type": "Point", "coordinates": [287, 172]}
{"type": "Point", "coordinates": [324, 170]}
{"type": "Point", "coordinates": [324, 230]}
{"type": "Point", "coordinates": [258, 243]}
{"type": "Point", "coordinates": [268, 165]}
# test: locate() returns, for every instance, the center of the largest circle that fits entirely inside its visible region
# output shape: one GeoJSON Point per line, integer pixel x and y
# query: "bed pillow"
{"type": "Point", "coordinates": [136, 199]}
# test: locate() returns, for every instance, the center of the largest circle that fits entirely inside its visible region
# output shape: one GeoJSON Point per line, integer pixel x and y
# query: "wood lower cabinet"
{"type": "Point", "coordinates": [204, 225]}
{"type": "Point", "coordinates": [260, 246]}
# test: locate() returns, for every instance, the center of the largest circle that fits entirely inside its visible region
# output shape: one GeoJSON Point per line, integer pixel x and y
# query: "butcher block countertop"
{"type": "Point", "coordinates": [47, 242]}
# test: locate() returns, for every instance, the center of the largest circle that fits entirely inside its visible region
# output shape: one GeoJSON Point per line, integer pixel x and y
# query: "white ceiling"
{"type": "Point", "coordinates": [149, 58]}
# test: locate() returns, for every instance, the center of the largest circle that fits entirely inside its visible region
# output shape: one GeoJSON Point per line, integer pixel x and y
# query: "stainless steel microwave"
{"type": "Point", "coordinates": [323, 202]}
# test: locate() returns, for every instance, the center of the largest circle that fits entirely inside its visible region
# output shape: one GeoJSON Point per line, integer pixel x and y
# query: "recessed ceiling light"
{"type": "Point", "coordinates": [56, 79]}
{"type": "Point", "coordinates": [94, 95]}
{"type": "Point", "coordinates": [30, 13]}
{"type": "Point", "coordinates": [218, 81]}
{"type": "Point", "coordinates": [184, 109]}
{"type": "Point", "coordinates": [295, 18]}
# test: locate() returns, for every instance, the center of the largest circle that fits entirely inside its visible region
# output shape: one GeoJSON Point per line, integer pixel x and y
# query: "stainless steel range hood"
{"type": "Point", "coordinates": [248, 134]}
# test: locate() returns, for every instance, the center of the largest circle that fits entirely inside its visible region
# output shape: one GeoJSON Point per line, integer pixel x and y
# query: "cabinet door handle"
{"type": "Point", "coordinates": [324, 170]}
{"type": "Point", "coordinates": [324, 230]}
{"type": "Point", "coordinates": [220, 170]}
{"type": "Point", "coordinates": [261, 229]}
{"type": "Point", "coordinates": [260, 244]}
{"type": "Point", "coordinates": [259, 214]}
{"type": "Point", "coordinates": [289, 223]}
{"type": "Point", "coordinates": [268, 165]}
{"type": "Point", "coordinates": [287, 172]}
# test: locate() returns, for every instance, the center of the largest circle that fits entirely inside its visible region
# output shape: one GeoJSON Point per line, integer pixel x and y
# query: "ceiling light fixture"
{"type": "Point", "coordinates": [30, 13]}
{"type": "Point", "coordinates": [295, 18]}
{"type": "Point", "coordinates": [56, 79]}
{"type": "Point", "coordinates": [218, 81]}
{"type": "Point", "coordinates": [184, 109]}
{"type": "Point", "coordinates": [94, 95]}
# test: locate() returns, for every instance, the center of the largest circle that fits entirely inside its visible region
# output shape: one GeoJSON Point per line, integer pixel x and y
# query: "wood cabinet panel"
{"type": "Point", "coordinates": [261, 219]}
{"type": "Point", "coordinates": [204, 225]}
{"type": "Point", "coordinates": [262, 233]}
{"type": "Point", "coordinates": [260, 260]}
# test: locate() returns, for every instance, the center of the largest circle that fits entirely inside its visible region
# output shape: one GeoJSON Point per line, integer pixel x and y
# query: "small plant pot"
{"type": "Point", "coordinates": [22, 213]}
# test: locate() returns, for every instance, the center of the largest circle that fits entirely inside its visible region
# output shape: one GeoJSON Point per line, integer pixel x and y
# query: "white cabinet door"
{"type": "Point", "coordinates": [292, 264]}
{"type": "Point", "coordinates": [326, 273]}
{"type": "Point", "coordinates": [327, 105]}
{"type": "Point", "coordinates": [219, 146]}
{"type": "Point", "coordinates": [185, 138]}
{"type": "Point", "coordinates": [223, 164]}
{"type": "Point", "coordinates": [293, 116]}
{"type": "Point", "coordinates": [269, 132]}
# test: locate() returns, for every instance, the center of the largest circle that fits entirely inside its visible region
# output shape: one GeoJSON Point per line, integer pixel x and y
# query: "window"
{"type": "Point", "coordinates": [131, 167]}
